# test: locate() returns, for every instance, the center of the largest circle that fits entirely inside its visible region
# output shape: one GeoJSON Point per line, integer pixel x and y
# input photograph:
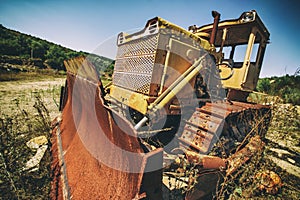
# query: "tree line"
{"type": "Point", "coordinates": [15, 44]}
{"type": "Point", "coordinates": [287, 87]}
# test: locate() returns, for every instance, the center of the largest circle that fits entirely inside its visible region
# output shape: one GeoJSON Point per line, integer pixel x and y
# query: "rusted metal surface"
{"type": "Point", "coordinates": [205, 161]}
{"type": "Point", "coordinates": [268, 181]}
{"type": "Point", "coordinates": [213, 162]}
{"type": "Point", "coordinates": [93, 151]}
{"type": "Point", "coordinates": [235, 161]}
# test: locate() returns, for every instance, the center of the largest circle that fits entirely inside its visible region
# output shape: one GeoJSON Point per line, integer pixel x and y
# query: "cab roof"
{"type": "Point", "coordinates": [238, 29]}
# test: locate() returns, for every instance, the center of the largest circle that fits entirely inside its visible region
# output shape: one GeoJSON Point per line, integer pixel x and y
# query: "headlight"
{"type": "Point", "coordinates": [121, 38]}
{"type": "Point", "coordinates": [248, 16]}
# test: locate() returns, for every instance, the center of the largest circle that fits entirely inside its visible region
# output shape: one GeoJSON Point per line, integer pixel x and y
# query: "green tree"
{"type": "Point", "coordinates": [55, 56]}
{"type": "Point", "coordinates": [37, 50]}
{"type": "Point", "coordinates": [287, 87]}
{"type": "Point", "coordinates": [25, 47]}
{"type": "Point", "coordinates": [9, 47]}
{"type": "Point", "coordinates": [264, 85]}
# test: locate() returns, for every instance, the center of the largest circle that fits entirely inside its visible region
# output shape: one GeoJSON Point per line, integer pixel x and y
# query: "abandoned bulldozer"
{"type": "Point", "coordinates": [173, 121]}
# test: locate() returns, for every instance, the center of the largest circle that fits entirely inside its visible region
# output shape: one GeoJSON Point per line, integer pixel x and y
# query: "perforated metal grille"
{"type": "Point", "coordinates": [134, 64]}
{"type": "Point", "coordinates": [145, 45]}
{"type": "Point", "coordinates": [137, 82]}
{"type": "Point", "coordinates": [137, 64]}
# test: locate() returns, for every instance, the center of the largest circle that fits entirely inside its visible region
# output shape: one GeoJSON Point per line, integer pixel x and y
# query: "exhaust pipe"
{"type": "Point", "coordinates": [216, 17]}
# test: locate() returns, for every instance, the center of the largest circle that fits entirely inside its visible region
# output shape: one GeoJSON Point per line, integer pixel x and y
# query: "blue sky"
{"type": "Point", "coordinates": [83, 25]}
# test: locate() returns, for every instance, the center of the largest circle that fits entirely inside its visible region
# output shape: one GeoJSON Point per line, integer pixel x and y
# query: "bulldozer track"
{"type": "Point", "coordinates": [222, 125]}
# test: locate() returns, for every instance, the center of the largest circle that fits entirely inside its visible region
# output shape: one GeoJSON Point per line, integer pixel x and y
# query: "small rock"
{"type": "Point", "coordinates": [36, 142]}
{"type": "Point", "coordinates": [39, 143]}
{"type": "Point", "coordinates": [34, 162]}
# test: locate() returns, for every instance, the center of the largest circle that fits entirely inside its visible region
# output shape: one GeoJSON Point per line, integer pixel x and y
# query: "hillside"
{"type": "Point", "coordinates": [20, 52]}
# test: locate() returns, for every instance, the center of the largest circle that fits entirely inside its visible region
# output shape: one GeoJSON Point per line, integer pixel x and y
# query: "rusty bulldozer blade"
{"type": "Point", "coordinates": [96, 154]}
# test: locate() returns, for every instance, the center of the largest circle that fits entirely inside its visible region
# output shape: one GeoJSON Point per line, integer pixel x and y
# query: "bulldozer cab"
{"type": "Point", "coordinates": [240, 46]}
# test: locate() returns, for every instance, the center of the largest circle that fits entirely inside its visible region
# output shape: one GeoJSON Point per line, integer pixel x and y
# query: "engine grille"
{"type": "Point", "coordinates": [134, 64]}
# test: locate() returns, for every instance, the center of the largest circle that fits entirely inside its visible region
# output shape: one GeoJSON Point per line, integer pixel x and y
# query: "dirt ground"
{"type": "Point", "coordinates": [22, 93]}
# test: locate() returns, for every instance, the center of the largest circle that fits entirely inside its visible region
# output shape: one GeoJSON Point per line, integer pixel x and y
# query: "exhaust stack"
{"type": "Point", "coordinates": [216, 17]}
